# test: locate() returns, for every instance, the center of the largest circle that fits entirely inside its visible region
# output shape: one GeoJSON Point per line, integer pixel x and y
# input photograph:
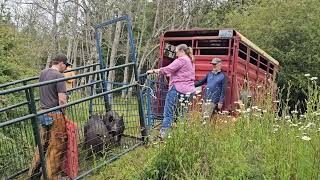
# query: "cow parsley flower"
{"type": "Point", "coordinates": [306, 138]}
{"type": "Point", "coordinates": [313, 78]}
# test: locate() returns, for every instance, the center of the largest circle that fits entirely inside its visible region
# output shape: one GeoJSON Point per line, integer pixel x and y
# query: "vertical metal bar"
{"type": "Point", "coordinates": [36, 132]}
{"type": "Point", "coordinates": [148, 104]}
{"type": "Point", "coordinates": [102, 66]}
{"type": "Point", "coordinates": [91, 100]}
{"type": "Point", "coordinates": [138, 92]}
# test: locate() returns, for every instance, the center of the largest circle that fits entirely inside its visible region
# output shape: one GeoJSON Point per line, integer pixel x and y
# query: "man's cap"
{"type": "Point", "coordinates": [216, 61]}
{"type": "Point", "coordinates": [61, 58]}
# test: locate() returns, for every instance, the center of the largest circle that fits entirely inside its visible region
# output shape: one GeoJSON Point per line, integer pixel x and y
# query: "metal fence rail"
{"type": "Point", "coordinates": [20, 134]}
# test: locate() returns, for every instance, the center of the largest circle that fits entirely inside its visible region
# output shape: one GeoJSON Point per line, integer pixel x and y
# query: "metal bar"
{"type": "Point", "coordinates": [109, 161]}
{"type": "Point", "coordinates": [148, 104]}
{"type": "Point", "coordinates": [81, 67]}
{"type": "Point", "coordinates": [18, 81]}
{"type": "Point", "coordinates": [62, 106]}
{"type": "Point", "coordinates": [12, 106]}
{"type": "Point", "coordinates": [111, 21]}
{"type": "Point", "coordinates": [17, 173]}
{"type": "Point", "coordinates": [102, 66]}
{"type": "Point", "coordinates": [192, 38]}
{"type": "Point", "coordinates": [90, 103]}
{"type": "Point", "coordinates": [36, 132]}
{"type": "Point", "coordinates": [138, 92]}
{"type": "Point", "coordinates": [16, 120]}
{"type": "Point", "coordinates": [62, 79]}
{"type": "Point", "coordinates": [37, 77]}
{"type": "Point", "coordinates": [85, 85]}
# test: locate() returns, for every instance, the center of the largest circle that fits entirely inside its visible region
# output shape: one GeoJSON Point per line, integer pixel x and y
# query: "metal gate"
{"type": "Point", "coordinates": [19, 113]}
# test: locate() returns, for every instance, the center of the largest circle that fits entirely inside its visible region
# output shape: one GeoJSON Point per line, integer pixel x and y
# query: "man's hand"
{"type": "Point", "coordinates": [219, 105]}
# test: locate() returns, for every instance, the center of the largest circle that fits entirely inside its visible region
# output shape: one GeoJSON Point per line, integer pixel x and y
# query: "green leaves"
{"type": "Point", "coordinates": [16, 58]}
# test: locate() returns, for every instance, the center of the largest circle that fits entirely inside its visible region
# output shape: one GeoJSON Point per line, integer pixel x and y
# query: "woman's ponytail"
{"type": "Point", "coordinates": [190, 54]}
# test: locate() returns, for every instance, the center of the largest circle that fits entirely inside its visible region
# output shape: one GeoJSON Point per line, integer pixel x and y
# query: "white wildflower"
{"type": "Point", "coordinates": [294, 112]}
{"type": "Point", "coordinates": [306, 75]}
{"type": "Point", "coordinates": [313, 78]}
{"type": "Point", "coordinates": [310, 124]}
{"type": "Point", "coordinates": [275, 130]}
{"type": "Point", "coordinates": [287, 117]}
{"type": "Point", "coordinates": [302, 116]}
{"type": "Point", "coordinates": [293, 125]}
{"type": "Point", "coordinates": [204, 122]}
{"type": "Point", "coordinates": [264, 111]}
{"type": "Point", "coordinates": [306, 138]}
{"type": "Point", "coordinates": [248, 110]}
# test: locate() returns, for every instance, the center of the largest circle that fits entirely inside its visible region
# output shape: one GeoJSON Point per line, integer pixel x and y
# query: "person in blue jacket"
{"type": "Point", "coordinates": [215, 90]}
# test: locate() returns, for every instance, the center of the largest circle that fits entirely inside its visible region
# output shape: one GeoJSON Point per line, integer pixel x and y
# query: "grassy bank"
{"type": "Point", "coordinates": [259, 145]}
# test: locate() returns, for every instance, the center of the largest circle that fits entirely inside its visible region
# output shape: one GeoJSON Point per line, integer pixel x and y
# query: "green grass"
{"type": "Point", "coordinates": [256, 146]}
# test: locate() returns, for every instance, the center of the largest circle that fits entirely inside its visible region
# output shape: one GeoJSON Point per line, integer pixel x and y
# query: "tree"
{"type": "Point", "coordinates": [287, 30]}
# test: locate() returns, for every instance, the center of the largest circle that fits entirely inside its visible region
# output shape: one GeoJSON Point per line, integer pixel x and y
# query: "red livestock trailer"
{"type": "Point", "coordinates": [242, 60]}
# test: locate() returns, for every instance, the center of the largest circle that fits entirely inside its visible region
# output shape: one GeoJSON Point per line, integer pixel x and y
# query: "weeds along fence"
{"type": "Point", "coordinates": [20, 111]}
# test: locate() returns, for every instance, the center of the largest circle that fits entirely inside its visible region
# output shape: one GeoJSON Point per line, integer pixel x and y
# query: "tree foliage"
{"type": "Point", "coordinates": [16, 56]}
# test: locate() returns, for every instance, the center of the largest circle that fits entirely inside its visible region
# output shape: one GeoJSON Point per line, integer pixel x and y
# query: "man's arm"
{"type": "Point", "coordinates": [62, 89]}
{"type": "Point", "coordinates": [201, 82]}
{"type": "Point", "coordinates": [62, 98]}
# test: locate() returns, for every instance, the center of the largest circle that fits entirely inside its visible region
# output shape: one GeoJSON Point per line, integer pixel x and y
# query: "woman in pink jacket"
{"type": "Point", "coordinates": [182, 76]}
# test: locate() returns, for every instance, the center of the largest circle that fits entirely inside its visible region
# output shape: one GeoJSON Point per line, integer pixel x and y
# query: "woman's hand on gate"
{"type": "Point", "coordinates": [152, 71]}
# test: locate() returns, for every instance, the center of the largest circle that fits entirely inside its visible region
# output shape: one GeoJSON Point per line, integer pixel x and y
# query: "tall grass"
{"type": "Point", "coordinates": [258, 145]}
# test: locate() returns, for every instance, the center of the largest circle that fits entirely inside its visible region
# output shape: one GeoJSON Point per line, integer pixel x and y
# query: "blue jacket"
{"type": "Point", "coordinates": [216, 86]}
